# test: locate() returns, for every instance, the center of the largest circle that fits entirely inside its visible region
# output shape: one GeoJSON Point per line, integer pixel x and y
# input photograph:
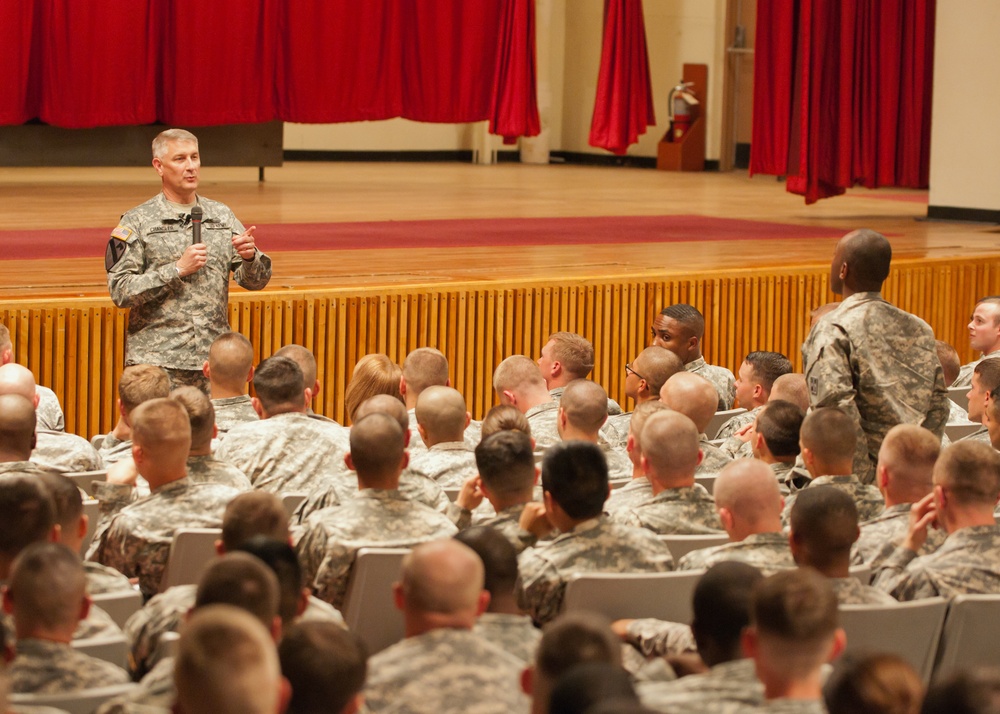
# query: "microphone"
{"type": "Point", "coordinates": [196, 214]}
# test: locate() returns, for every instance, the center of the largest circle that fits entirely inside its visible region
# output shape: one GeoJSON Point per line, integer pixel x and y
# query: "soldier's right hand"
{"type": "Point", "coordinates": [194, 259]}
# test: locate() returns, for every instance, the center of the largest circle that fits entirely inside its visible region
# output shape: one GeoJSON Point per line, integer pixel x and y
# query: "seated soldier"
{"type": "Point", "coordinates": [202, 467]}
{"type": "Point", "coordinates": [985, 379]}
{"type": "Point", "coordinates": [691, 396]}
{"type": "Point", "coordinates": [827, 442]}
{"type": "Point", "coordinates": [565, 357]}
{"type": "Point", "coordinates": [441, 665]}
{"type": "Point", "coordinates": [950, 365]}
{"type": "Point", "coordinates": [670, 457]}
{"type": "Point", "coordinates": [583, 409]}
{"type": "Point", "coordinates": [427, 367]}
{"type": "Point", "coordinates": [775, 441]}
{"type": "Point", "coordinates": [984, 337]}
{"type": "Point", "coordinates": [49, 412]}
{"type": "Point", "coordinates": [504, 417]}
{"type": "Point", "coordinates": [644, 377]}
{"type": "Point", "coordinates": [792, 388]}
{"type": "Point", "coordinates": [47, 597]}
{"type": "Point", "coordinates": [575, 486]}
{"type": "Point", "coordinates": [503, 623]}
{"type": "Point", "coordinates": [904, 476]}
{"type": "Point", "coordinates": [378, 516]}
{"type": "Point", "coordinates": [966, 489]}
{"type": "Point", "coordinates": [441, 421]}
{"type": "Point", "coordinates": [135, 537]}
{"type": "Point", "coordinates": [507, 477]}
{"type": "Point", "coordinates": [326, 666]}
{"type": "Point", "coordinates": [753, 387]}
{"type": "Point", "coordinates": [17, 436]}
{"type": "Point", "coordinates": [306, 361]}
{"type": "Point", "coordinates": [991, 417]}
{"type": "Point", "coordinates": [139, 383]}
{"type": "Point", "coordinates": [824, 527]}
{"type": "Point", "coordinates": [749, 505]}
{"type": "Point", "coordinates": [638, 489]}
{"type": "Point", "coordinates": [229, 368]}
{"type": "Point", "coordinates": [793, 633]}
{"type": "Point", "coordinates": [680, 329]}
{"type": "Point", "coordinates": [519, 383]}
{"type": "Point", "coordinates": [975, 691]}
{"type": "Point", "coordinates": [286, 450]}
{"type": "Point", "coordinates": [227, 664]}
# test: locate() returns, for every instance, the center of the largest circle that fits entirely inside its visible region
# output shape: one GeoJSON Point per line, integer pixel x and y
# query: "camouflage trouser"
{"type": "Point", "coordinates": [188, 378]}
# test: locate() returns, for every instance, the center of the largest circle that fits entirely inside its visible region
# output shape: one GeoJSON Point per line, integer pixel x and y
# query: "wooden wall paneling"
{"type": "Point", "coordinates": [68, 335]}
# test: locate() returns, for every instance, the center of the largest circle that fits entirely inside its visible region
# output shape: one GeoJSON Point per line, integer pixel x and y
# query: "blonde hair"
{"type": "Point", "coordinates": [373, 374]}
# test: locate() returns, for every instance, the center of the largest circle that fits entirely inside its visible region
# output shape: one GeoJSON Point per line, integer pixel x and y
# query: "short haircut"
{"type": "Point", "coordinates": [506, 462]}
{"type": "Point", "coordinates": [693, 396]}
{"type": "Point", "coordinates": [281, 558]}
{"type": "Point", "coordinates": [385, 404]}
{"type": "Point", "coordinates": [243, 581]}
{"type": "Point", "coordinates": [642, 412]}
{"type": "Point", "coordinates": [825, 519]}
{"type": "Point", "coordinates": [721, 603]}
{"type": "Point", "coordinates": [424, 367]}
{"type": "Point", "coordinates": [230, 358]}
{"type": "Point", "coordinates": [590, 683]}
{"type": "Point", "coordinates": [829, 433]}
{"type": "Point", "coordinates": [970, 471]}
{"type": "Point", "coordinates": [972, 691]}
{"type": "Point", "coordinates": [989, 373]}
{"type": "Point", "coordinates": [48, 586]}
{"type": "Point", "coordinates": [768, 366]}
{"type": "Point", "coordinates": [574, 638]}
{"type": "Point", "coordinates": [505, 417]}
{"type": "Point", "coordinates": [162, 425]}
{"type": "Point", "coordinates": [585, 404]}
{"type": "Point", "coordinates": [873, 683]}
{"type": "Point", "coordinates": [792, 388]}
{"type": "Point", "coordinates": [442, 576]}
{"type": "Point", "coordinates": [950, 363]}
{"type": "Point", "coordinates": [5, 341]}
{"type": "Point", "coordinates": [305, 359]}
{"type": "Point", "coordinates": [657, 365]}
{"type": "Point", "coordinates": [798, 608]}
{"type": "Point", "coordinates": [442, 412]}
{"type": "Point", "coordinates": [255, 513]}
{"type": "Point", "coordinates": [325, 664]}
{"type": "Point", "coordinates": [161, 140]}
{"type": "Point", "coordinates": [226, 664]}
{"type": "Point", "coordinates": [279, 383]}
{"type": "Point", "coordinates": [373, 374]}
{"type": "Point", "coordinates": [912, 451]}
{"type": "Point", "coordinates": [17, 424]}
{"type": "Point", "coordinates": [27, 513]}
{"type": "Point", "coordinates": [376, 447]}
{"type": "Point", "coordinates": [140, 383]}
{"type": "Point", "coordinates": [201, 413]}
{"type": "Point", "coordinates": [66, 498]}
{"type": "Point", "coordinates": [575, 473]}
{"type": "Point", "coordinates": [869, 256]}
{"type": "Point", "coordinates": [687, 315]}
{"type": "Point", "coordinates": [517, 371]}
{"type": "Point", "coordinates": [574, 352]}
{"type": "Point", "coordinates": [780, 423]}
{"type": "Point", "coordinates": [670, 442]}
{"type": "Point", "coordinates": [498, 556]}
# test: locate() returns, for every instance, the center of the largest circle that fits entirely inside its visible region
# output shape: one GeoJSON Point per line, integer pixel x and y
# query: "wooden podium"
{"type": "Point", "coordinates": [688, 154]}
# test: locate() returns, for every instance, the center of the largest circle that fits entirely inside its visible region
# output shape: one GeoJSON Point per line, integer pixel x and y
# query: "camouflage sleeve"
{"type": "Point", "coordinates": [540, 590]}
{"type": "Point", "coordinates": [110, 550]}
{"type": "Point", "coordinates": [311, 547]}
{"type": "Point", "coordinates": [659, 637]}
{"type": "Point", "coordinates": [333, 572]}
{"type": "Point", "coordinates": [461, 517]}
{"type": "Point", "coordinates": [625, 517]}
{"type": "Point", "coordinates": [694, 560]}
{"type": "Point", "coordinates": [940, 411]}
{"type": "Point", "coordinates": [130, 282]}
{"type": "Point", "coordinates": [893, 576]}
{"type": "Point", "coordinates": [112, 497]}
{"type": "Point", "coordinates": [249, 274]}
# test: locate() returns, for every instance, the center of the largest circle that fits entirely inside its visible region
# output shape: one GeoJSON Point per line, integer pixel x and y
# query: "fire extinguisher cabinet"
{"type": "Point", "coordinates": [687, 153]}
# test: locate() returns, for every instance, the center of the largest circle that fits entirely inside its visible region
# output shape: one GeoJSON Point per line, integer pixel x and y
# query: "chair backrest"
{"type": "Point", "coordinates": [167, 646]}
{"type": "Point", "coordinates": [452, 493]}
{"type": "Point", "coordinates": [707, 481]}
{"type": "Point", "coordinates": [119, 605]}
{"type": "Point", "coordinates": [681, 545]}
{"type": "Point", "coordinates": [92, 509]}
{"type": "Point", "coordinates": [113, 649]}
{"type": "Point", "coordinates": [908, 629]}
{"type": "Point", "coordinates": [369, 609]}
{"type": "Point", "coordinates": [719, 419]}
{"type": "Point", "coordinates": [291, 502]}
{"type": "Point", "coordinates": [191, 550]}
{"type": "Point", "coordinates": [665, 596]}
{"type": "Point", "coordinates": [959, 395]}
{"type": "Point", "coordinates": [862, 573]}
{"type": "Point", "coordinates": [85, 701]}
{"type": "Point", "coordinates": [970, 635]}
{"type": "Point", "coordinates": [960, 431]}
{"type": "Point", "coordinates": [86, 479]}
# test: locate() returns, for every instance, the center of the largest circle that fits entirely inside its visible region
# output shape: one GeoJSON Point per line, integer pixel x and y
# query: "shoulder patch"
{"type": "Point", "coordinates": [121, 233]}
{"type": "Point", "coordinates": [115, 251]}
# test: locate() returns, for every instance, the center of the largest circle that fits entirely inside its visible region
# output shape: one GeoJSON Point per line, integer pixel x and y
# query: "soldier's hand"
{"type": "Point", "coordinates": [620, 628]}
{"type": "Point", "coordinates": [744, 432]}
{"type": "Point", "coordinates": [194, 259]}
{"type": "Point", "coordinates": [923, 515]}
{"type": "Point", "coordinates": [244, 243]}
{"type": "Point", "coordinates": [534, 520]}
{"type": "Point", "coordinates": [123, 472]}
{"type": "Point", "coordinates": [471, 494]}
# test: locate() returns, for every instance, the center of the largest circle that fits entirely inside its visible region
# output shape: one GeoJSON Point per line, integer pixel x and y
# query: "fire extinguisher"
{"type": "Point", "coordinates": [681, 103]}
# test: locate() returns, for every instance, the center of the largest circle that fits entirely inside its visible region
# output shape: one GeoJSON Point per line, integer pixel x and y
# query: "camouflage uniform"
{"type": "Point", "coordinates": [720, 690]}
{"type": "Point", "coordinates": [65, 453]}
{"type": "Point", "coordinates": [660, 638]}
{"type": "Point", "coordinates": [787, 706]}
{"type": "Point", "coordinates": [614, 408]}
{"type": "Point", "coordinates": [713, 459]}
{"type": "Point", "coordinates": [737, 422]}
{"type": "Point", "coordinates": [867, 498]}
{"type": "Point", "coordinates": [344, 487]}
{"type": "Point", "coordinates": [113, 450]}
{"type": "Point", "coordinates": [720, 377]}
{"type": "Point", "coordinates": [374, 518]}
{"type": "Point", "coordinates": [208, 469]}
{"type": "Point", "coordinates": [444, 670]}
{"type": "Point", "coordinates": [619, 465]}
{"type": "Point", "coordinates": [957, 415]}
{"type": "Point", "coordinates": [681, 511]}
{"type": "Point", "coordinates": [635, 492]}
{"type": "Point", "coordinates": [21, 468]}
{"type": "Point", "coordinates": [879, 364]}
{"type": "Point", "coordinates": [789, 479]}
{"type": "Point", "coordinates": [543, 420]}
{"type": "Point", "coordinates": [48, 413]}
{"type": "Point", "coordinates": [507, 522]}
{"type": "Point", "coordinates": [881, 535]}
{"type": "Point", "coordinates": [851, 591]}
{"type": "Point", "coordinates": [964, 378]}
{"type": "Point", "coordinates": [137, 539]}
{"type": "Point", "coordinates": [735, 448]}
{"type": "Point", "coordinates": [450, 463]}
{"type": "Point", "coordinates": [514, 634]}
{"type": "Point", "coordinates": [173, 320]}
{"type": "Point", "coordinates": [155, 693]}
{"type": "Point", "coordinates": [287, 452]}
{"type": "Point", "coordinates": [233, 411]}
{"type": "Point", "coordinates": [102, 579]}
{"type": "Point", "coordinates": [982, 435]}
{"type": "Point", "coordinates": [966, 562]}
{"type": "Point", "coordinates": [593, 546]}
{"type": "Point", "coordinates": [615, 430]}
{"type": "Point", "coordinates": [47, 667]}
{"type": "Point", "coordinates": [768, 552]}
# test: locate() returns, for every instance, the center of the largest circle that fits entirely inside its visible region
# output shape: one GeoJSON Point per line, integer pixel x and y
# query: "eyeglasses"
{"type": "Point", "coordinates": [629, 370]}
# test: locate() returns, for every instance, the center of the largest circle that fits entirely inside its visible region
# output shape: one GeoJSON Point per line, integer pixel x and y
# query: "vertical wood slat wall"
{"type": "Point", "coordinates": [77, 347]}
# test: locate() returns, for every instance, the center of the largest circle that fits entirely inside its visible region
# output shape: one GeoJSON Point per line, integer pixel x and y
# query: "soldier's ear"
{"type": "Point", "coordinates": [205, 370]}
{"type": "Point", "coordinates": [257, 407]}
{"type": "Point", "coordinates": [528, 680]}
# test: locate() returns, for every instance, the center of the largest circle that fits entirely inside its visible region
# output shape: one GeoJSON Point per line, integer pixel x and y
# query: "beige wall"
{"type": "Point", "coordinates": [569, 52]}
{"type": "Point", "coordinates": [965, 133]}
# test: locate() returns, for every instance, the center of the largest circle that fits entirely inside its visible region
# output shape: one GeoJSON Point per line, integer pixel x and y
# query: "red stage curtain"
{"type": "Point", "coordinates": [18, 22]}
{"type": "Point", "coordinates": [842, 94]}
{"type": "Point", "coordinates": [514, 111]}
{"type": "Point", "coordinates": [623, 107]}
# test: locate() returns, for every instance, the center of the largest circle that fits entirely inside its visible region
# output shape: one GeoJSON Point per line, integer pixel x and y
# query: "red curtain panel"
{"type": "Point", "coordinates": [18, 98]}
{"type": "Point", "coordinates": [842, 94]}
{"type": "Point", "coordinates": [514, 106]}
{"type": "Point", "coordinates": [623, 106]}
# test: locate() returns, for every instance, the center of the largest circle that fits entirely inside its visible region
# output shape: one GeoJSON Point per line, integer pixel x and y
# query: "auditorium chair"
{"type": "Point", "coordinates": [86, 479]}
{"type": "Point", "coordinates": [190, 552]}
{"type": "Point", "coordinates": [369, 609]}
{"type": "Point", "coordinates": [113, 649]}
{"type": "Point", "coordinates": [970, 635]}
{"type": "Point", "coordinates": [681, 545]}
{"type": "Point", "coordinates": [665, 596]}
{"type": "Point", "coordinates": [119, 605]}
{"type": "Point", "coordinates": [719, 419]}
{"type": "Point", "coordinates": [92, 509]}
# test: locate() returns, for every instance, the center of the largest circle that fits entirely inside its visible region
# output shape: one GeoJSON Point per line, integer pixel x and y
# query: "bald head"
{"type": "Point", "coordinates": [443, 577]}
{"type": "Point", "coordinates": [670, 452]}
{"type": "Point", "coordinates": [384, 404]}
{"type": "Point", "coordinates": [230, 362]}
{"type": "Point", "coordinates": [692, 396]}
{"type": "Point", "coordinates": [906, 463]}
{"type": "Point", "coordinates": [441, 414]}
{"type": "Point", "coordinates": [791, 388]}
{"type": "Point", "coordinates": [585, 405]}
{"type": "Point", "coordinates": [641, 413]}
{"type": "Point", "coordinates": [748, 490]}
{"type": "Point", "coordinates": [17, 427]}
{"type": "Point", "coordinates": [655, 365]}
{"type": "Point", "coordinates": [377, 451]}
{"type": "Point", "coordinates": [15, 379]}
{"type": "Point", "coordinates": [860, 262]}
